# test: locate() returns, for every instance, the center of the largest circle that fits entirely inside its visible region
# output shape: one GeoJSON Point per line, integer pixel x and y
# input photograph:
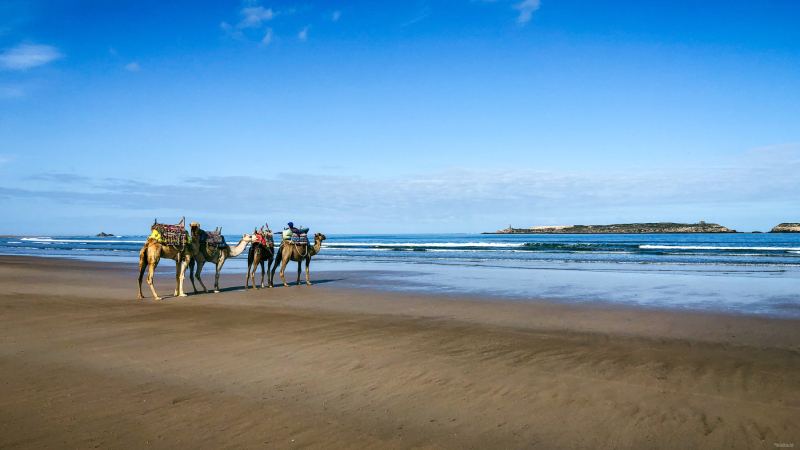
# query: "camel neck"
{"type": "Point", "coordinates": [239, 248]}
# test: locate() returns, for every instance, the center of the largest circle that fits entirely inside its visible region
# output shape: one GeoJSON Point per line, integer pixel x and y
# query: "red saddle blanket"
{"type": "Point", "coordinates": [265, 238]}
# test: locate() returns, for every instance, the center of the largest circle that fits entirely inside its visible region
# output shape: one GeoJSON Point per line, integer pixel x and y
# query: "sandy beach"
{"type": "Point", "coordinates": [85, 364]}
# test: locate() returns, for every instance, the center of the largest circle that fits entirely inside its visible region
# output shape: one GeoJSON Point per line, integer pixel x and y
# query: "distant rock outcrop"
{"type": "Point", "coordinates": [626, 228]}
{"type": "Point", "coordinates": [105, 235]}
{"type": "Point", "coordinates": [787, 228]}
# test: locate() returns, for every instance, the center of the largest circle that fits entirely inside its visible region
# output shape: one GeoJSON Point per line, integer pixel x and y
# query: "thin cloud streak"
{"type": "Point", "coordinates": [526, 9]}
{"type": "Point", "coordinates": [755, 177]}
{"type": "Point", "coordinates": [253, 16]}
{"type": "Point", "coordinates": [26, 56]}
{"type": "Point", "coordinates": [9, 92]}
{"type": "Point", "coordinates": [267, 37]}
{"type": "Point", "coordinates": [417, 19]}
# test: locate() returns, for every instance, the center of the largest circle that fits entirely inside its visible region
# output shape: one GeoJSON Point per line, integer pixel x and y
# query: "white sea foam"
{"type": "Point", "coordinates": [703, 247]}
{"type": "Point", "coordinates": [423, 244]}
{"type": "Point", "coordinates": [49, 240]}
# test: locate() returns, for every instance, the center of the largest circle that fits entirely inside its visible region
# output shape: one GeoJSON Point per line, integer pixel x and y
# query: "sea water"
{"type": "Point", "coordinates": [736, 273]}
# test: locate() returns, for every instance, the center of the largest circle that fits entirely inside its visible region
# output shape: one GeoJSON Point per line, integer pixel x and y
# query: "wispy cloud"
{"type": "Point", "coordinates": [66, 178]}
{"type": "Point", "coordinates": [336, 15]}
{"type": "Point", "coordinates": [26, 56]}
{"type": "Point", "coordinates": [11, 92]}
{"type": "Point", "coordinates": [253, 16]}
{"type": "Point", "coordinates": [526, 9]}
{"type": "Point", "coordinates": [132, 67]}
{"type": "Point", "coordinates": [234, 33]}
{"type": "Point", "coordinates": [303, 34]}
{"type": "Point", "coordinates": [267, 37]}
{"type": "Point", "coordinates": [757, 177]}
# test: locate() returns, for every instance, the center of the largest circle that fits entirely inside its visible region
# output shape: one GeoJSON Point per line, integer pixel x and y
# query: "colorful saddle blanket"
{"type": "Point", "coordinates": [265, 238]}
{"type": "Point", "coordinates": [212, 238]}
{"type": "Point", "coordinates": [170, 234]}
{"type": "Point", "coordinates": [299, 238]}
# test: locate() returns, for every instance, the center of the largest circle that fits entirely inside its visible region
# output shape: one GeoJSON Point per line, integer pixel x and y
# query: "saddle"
{"type": "Point", "coordinates": [170, 234]}
{"type": "Point", "coordinates": [213, 238]}
{"type": "Point", "coordinates": [265, 238]}
{"type": "Point", "coordinates": [300, 238]}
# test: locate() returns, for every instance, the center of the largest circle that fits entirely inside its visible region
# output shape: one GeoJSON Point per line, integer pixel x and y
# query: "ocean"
{"type": "Point", "coordinates": [733, 273]}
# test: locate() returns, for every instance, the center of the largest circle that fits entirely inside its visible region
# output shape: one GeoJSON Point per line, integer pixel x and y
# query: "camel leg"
{"type": "Point", "coordinates": [249, 268]}
{"type": "Point", "coordinates": [283, 269]}
{"type": "Point", "coordinates": [199, 269]}
{"type": "Point", "coordinates": [177, 276]}
{"type": "Point", "coordinates": [183, 264]}
{"type": "Point", "coordinates": [256, 262]}
{"type": "Point", "coordinates": [142, 267]}
{"type": "Point", "coordinates": [308, 261]}
{"type": "Point", "coordinates": [151, 266]}
{"type": "Point", "coordinates": [262, 275]}
{"type": "Point", "coordinates": [278, 257]}
{"type": "Point", "coordinates": [216, 276]}
{"type": "Point", "coordinates": [269, 271]}
{"type": "Point", "coordinates": [299, 270]}
{"type": "Point", "coordinates": [191, 274]}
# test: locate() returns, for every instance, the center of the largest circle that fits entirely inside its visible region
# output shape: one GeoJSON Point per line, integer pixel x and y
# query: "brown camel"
{"type": "Point", "coordinates": [260, 251]}
{"type": "Point", "coordinates": [215, 256]}
{"type": "Point", "coordinates": [153, 251]}
{"type": "Point", "coordinates": [296, 252]}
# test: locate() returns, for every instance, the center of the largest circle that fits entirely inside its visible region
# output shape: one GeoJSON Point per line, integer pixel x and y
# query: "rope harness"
{"type": "Point", "coordinates": [296, 245]}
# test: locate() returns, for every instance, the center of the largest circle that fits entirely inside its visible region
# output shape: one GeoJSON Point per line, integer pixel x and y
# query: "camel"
{"type": "Point", "coordinates": [216, 256]}
{"type": "Point", "coordinates": [299, 253]}
{"type": "Point", "coordinates": [152, 252]}
{"type": "Point", "coordinates": [257, 255]}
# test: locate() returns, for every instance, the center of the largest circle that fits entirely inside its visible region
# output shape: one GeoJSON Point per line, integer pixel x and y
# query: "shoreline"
{"type": "Point", "coordinates": [648, 233]}
{"type": "Point", "coordinates": [729, 289]}
{"type": "Point", "coordinates": [88, 364]}
{"type": "Point", "coordinates": [579, 315]}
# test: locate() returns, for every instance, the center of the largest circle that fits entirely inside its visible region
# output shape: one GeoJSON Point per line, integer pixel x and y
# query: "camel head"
{"type": "Point", "coordinates": [249, 237]}
{"type": "Point", "coordinates": [320, 237]}
{"type": "Point", "coordinates": [195, 227]}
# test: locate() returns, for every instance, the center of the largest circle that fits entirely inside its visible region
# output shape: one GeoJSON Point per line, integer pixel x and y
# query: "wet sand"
{"type": "Point", "coordinates": [85, 364]}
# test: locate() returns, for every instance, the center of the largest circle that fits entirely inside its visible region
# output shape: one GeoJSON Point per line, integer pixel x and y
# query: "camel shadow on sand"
{"type": "Point", "coordinates": [277, 286]}
{"type": "Point", "coordinates": [240, 288]}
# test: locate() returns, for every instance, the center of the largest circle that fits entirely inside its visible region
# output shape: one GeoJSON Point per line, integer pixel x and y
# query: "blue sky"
{"type": "Point", "coordinates": [443, 116]}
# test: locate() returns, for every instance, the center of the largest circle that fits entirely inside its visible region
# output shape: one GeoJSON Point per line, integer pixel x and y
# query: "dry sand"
{"type": "Point", "coordinates": [84, 364]}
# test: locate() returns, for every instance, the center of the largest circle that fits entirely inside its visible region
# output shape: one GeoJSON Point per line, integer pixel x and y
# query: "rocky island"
{"type": "Point", "coordinates": [102, 234]}
{"type": "Point", "coordinates": [625, 228]}
{"type": "Point", "coordinates": [787, 228]}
